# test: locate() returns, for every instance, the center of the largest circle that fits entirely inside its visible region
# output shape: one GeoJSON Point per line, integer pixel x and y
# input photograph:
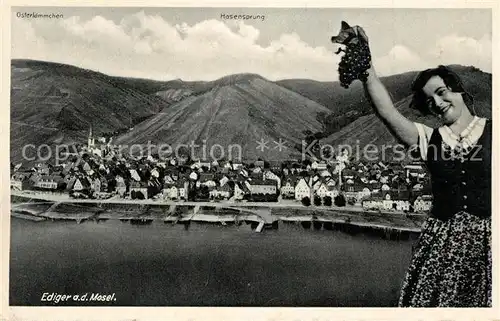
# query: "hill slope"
{"type": "Point", "coordinates": [241, 110]}
{"type": "Point", "coordinates": [56, 103]}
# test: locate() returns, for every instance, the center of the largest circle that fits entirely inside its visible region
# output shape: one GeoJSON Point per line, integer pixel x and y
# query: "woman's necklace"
{"type": "Point", "coordinates": [463, 144]}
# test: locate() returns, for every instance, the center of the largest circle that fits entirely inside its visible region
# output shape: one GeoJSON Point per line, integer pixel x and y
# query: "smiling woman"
{"type": "Point", "coordinates": [451, 264]}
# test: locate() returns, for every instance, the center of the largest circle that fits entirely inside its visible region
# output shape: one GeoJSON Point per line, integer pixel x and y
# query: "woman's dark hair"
{"type": "Point", "coordinates": [450, 78]}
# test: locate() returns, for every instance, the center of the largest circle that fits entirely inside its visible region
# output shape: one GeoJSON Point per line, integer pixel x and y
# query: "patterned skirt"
{"type": "Point", "coordinates": [451, 264]}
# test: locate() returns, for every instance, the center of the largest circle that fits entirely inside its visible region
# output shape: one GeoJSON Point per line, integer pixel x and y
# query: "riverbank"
{"type": "Point", "coordinates": [261, 215]}
{"type": "Point", "coordinates": [288, 204]}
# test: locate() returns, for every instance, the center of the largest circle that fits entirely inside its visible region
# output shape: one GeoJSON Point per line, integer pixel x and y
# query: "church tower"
{"type": "Point", "coordinates": [90, 140]}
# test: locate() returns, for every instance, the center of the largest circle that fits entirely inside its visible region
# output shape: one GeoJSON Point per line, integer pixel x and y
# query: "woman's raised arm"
{"type": "Point", "coordinates": [400, 126]}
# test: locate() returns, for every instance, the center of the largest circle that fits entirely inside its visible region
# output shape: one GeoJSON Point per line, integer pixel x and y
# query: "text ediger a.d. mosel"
{"type": "Point", "coordinates": [83, 297]}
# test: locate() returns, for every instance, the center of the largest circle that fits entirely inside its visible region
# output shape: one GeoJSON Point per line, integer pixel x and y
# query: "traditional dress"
{"type": "Point", "coordinates": [451, 263]}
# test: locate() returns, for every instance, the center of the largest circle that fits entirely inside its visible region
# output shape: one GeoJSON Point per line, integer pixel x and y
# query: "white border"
{"type": "Point", "coordinates": [274, 314]}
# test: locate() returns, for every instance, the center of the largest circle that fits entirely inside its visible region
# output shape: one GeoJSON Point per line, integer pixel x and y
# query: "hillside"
{"type": "Point", "coordinates": [56, 103]}
{"type": "Point", "coordinates": [240, 109]}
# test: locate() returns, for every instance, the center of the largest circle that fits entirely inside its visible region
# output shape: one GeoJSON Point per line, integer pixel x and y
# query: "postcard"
{"type": "Point", "coordinates": [249, 161]}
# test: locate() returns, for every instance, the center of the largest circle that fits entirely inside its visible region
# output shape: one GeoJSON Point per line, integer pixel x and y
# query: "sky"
{"type": "Point", "coordinates": [277, 43]}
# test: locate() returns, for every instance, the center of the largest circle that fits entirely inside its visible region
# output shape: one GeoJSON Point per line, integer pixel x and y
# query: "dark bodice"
{"type": "Point", "coordinates": [461, 184]}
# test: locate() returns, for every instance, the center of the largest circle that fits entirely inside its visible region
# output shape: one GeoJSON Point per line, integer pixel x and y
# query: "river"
{"type": "Point", "coordinates": [206, 265]}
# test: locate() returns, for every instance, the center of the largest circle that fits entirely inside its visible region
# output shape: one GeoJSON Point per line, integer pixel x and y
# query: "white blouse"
{"type": "Point", "coordinates": [467, 138]}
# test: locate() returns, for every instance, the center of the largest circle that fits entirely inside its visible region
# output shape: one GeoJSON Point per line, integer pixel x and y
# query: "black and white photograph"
{"type": "Point", "coordinates": [250, 157]}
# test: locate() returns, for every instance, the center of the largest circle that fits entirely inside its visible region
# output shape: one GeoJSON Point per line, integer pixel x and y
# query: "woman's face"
{"type": "Point", "coordinates": [443, 102]}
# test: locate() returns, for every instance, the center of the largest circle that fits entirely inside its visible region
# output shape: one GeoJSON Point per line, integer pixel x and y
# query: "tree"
{"type": "Point", "coordinates": [306, 201]}
{"type": "Point", "coordinates": [327, 201]}
{"type": "Point", "coordinates": [339, 200]}
{"type": "Point", "coordinates": [317, 200]}
{"type": "Point", "coordinates": [204, 193]}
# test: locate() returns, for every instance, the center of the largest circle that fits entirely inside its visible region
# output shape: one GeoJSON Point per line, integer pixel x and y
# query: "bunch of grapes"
{"type": "Point", "coordinates": [355, 63]}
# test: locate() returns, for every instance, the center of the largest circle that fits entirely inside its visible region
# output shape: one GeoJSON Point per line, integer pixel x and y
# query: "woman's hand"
{"type": "Point", "coordinates": [361, 33]}
{"type": "Point", "coordinates": [356, 62]}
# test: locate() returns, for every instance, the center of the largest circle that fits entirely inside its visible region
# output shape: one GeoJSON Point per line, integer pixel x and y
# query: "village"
{"type": "Point", "coordinates": [97, 171]}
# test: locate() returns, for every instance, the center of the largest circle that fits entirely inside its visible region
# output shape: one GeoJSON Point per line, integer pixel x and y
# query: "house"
{"type": "Point", "coordinates": [81, 185]}
{"type": "Point", "coordinates": [224, 180]}
{"type": "Point", "coordinates": [102, 195]}
{"type": "Point", "coordinates": [243, 172]}
{"type": "Point", "coordinates": [414, 169]}
{"type": "Point", "coordinates": [240, 190]}
{"type": "Point", "coordinates": [43, 168]}
{"type": "Point", "coordinates": [121, 186]}
{"type": "Point", "coordinates": [182, 189]}
{"type": "Point", "coordinates": [302, 189]}
{"type": "Point", "coordinates": [70, 182]}
{"type": "Point", "coordinates": [364, 193]}
{"type": "Point", "coordinates": [86, 167]}
{"type": "Point", "coordinates": [221, 192]}
{"type": "Point", "coordinates": [422, 203]}
{"type": "Point", "coordinates": [387, 201]}
{"type": "Point", "coordinates": [169, 191]}
{"type": "Point", "coordinates": [373, 203]}
{"type": "Point", "coordinates": [374, 186]}
{"type": "Point", "coordinates": [348, 174]}
{"type": "Point", "coordinates": [385, 187]}
{"type": "Point", "coordinates": [237, 165]}
{"type": "Point", "coordinates": [288, 188]}
{"type": "Point", "coordinates": [325, 173]}
{"type": "Point", "coordinates": [169, 180]}
{"type": "Point", "coordinates": [356, 189]}
{"type": "Point", "coordinates": [155, 173]}
{"type": "Point", "coordinates": [332, 192]}
{"type": "Point", "coordinates": [104, 185]}
{"type": "Point", "coordinates": [394, 200]}
{"type": "Point", "coordinates": [417, 187]}
{"type": "Point", "coordinates": [68, 167]}
{"type": "Point", "coordinates": [138, 190]}
{"type": "Point", "coordinates": [259, 163]}
{"type": "Point", "coordinates": [135, 176]}
{"type": "Point", "coordinates": [49, 182]}
{"type": "Point", "coordinates": [382, 165]}
{"type": "Point", "coordinates": [315, 184]}
{"type": "Point", "coordinates": [206, 179]}
{"type": "Point", "coordinates": [95, 185]}
{"type": "Point", "coordinates": [384, 179]}
{"type": "Point", "coordinates": [256, 170]}
{"type": "Point", "coordinates": [267, 187]}
{"type": "Point", "coordinates": [201, 164]}
{"type": "Point", "coordinates": [20, 181]}
{"type": "Point", "coordinates": [322, 190]}
{"type": "Point", "coordinates": [314, 179]}
{"type": "Point", "coordinates": [319, 165]}
{"type": "Point", "coordinates": [330, 181]}
{"type": "Point", "coordinates": [401, 204]}
{"type": "Point", "coordinates": [272, 176]}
